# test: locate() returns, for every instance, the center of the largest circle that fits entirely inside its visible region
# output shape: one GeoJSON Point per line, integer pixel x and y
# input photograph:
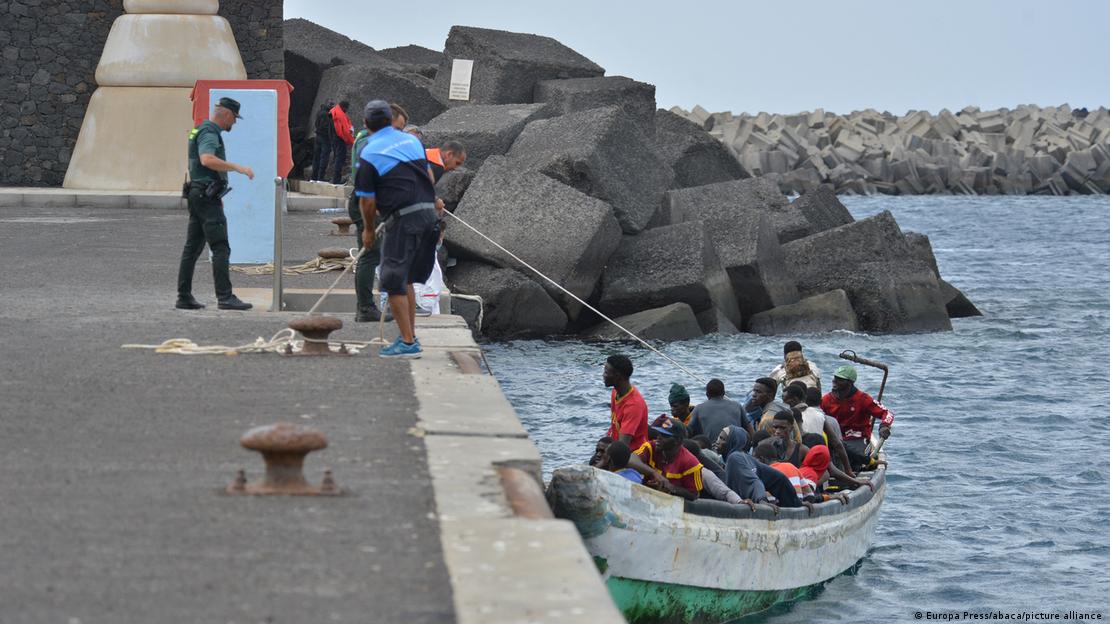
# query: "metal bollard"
{"type": "Point", "coordinates": [279, 211]}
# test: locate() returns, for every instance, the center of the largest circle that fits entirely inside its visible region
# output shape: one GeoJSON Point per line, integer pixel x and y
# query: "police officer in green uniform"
{"type": "Point", "coordinates": [208, 169]}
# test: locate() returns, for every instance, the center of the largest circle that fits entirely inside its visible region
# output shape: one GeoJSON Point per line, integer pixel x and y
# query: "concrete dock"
{"type": "Point", "coordinates": [115, 460]}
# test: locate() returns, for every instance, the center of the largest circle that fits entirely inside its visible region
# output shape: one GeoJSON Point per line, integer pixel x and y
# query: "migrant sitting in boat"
{"type": "Point", "coordinates": [805, 449]}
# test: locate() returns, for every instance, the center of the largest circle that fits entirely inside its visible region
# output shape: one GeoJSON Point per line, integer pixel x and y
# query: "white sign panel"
{"type": "Point", "coordinates": [461, 71]}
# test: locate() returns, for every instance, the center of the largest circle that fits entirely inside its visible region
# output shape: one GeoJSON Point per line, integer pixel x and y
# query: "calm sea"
{"type": "Point", "coordinates": [998, 497]}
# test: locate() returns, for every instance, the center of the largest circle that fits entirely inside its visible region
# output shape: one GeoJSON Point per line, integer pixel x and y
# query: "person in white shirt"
{"type": "Point", "coordinates": [795, 367]}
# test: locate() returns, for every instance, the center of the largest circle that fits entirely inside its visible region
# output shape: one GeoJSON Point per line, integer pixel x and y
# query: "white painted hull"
{"type": "Point", "coordinates": [640, 535]}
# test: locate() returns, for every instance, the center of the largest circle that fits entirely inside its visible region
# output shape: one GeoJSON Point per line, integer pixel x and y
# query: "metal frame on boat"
{"type": "Point", "coordinates": [667, 560]}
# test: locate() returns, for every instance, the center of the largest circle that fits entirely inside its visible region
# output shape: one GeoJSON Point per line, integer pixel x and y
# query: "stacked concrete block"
{"type": "Point", "coordinates": [742, 199]}
{"type": "Point", "coordinates": [508, 65]}
{"type": "Point", "coordinates": [310, 50]}
{"type": "Point", "coordinates": [415, 59]}
{"type": "Point", "coordinates": [746, 243]}
{"type": "Point", "coordinates": [484, 129]}
{"type": "Point", "coordinates": [675, 263]}
{"type": "Point", "coordinates": [358, 84]}
{"type": "Point", "coordinates": [578, 94]}
{"type": "Point", "coordinates": [820, 313]}
{"type": "Point", "coordinates": [822, 209]}
{"type": "Point", "coordinates": [513, 305]}
{"type": "Point", "coordinates": [695, 157]}
{"type": "Point", "coordinates": [565, 234]}
{"type": "Point", "coordinates": [671, 322]}
{"type": "Point", "coordinates": [869, 152]}
{"type": "Point", "coordinates": [891, 290]}
{"type": "Point", "coordinates": [602, 153]}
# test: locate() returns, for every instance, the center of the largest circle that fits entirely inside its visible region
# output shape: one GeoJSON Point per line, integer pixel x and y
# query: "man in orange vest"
{"type": "Point", "coordinates": [448, 157]}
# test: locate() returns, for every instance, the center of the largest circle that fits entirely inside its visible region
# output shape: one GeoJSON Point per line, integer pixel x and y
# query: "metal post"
{"type": "Point", "coordinates": [279, 210]}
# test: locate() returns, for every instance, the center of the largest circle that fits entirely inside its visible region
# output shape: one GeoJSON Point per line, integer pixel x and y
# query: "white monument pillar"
{"type": "Point", "coordinates": [136, 128]}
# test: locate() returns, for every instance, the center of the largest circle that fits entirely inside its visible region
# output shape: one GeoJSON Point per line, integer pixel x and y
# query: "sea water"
{"type": "Point", "coordinates": [998, 482]}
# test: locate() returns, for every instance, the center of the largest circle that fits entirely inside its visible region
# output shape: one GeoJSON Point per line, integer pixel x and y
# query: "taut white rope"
{"type": "Point", "coordinates": [579, 299]}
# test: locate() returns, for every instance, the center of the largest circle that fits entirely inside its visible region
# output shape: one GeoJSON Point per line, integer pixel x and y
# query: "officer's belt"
{"type": "Point", "coordinates": [407, 210]}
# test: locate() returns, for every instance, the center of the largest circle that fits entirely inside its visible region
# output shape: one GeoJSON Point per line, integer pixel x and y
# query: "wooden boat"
{"type": "Point", "coordinates": [667, 560]}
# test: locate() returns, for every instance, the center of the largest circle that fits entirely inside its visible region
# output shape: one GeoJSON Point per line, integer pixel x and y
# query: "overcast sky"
{"type": "Point", "coordinates": [789, 56]}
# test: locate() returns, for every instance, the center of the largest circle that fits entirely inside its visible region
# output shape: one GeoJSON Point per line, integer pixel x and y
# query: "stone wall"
{"type": "Point", "coordinates": [49, 50]}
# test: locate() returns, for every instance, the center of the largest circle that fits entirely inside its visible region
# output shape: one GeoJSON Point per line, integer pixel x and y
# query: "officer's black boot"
{"type": "Point", "coordinates": [187, 302]}
{"type": "Point", "coordinates": [368, 314]}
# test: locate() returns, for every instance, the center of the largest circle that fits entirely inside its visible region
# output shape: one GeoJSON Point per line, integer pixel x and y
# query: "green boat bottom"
{"type": "Point", "coordinates": [645, 602]}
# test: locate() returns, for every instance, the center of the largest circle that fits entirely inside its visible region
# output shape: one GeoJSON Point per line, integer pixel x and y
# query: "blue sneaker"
{"type": "Point", "coordinates": [401, 350]}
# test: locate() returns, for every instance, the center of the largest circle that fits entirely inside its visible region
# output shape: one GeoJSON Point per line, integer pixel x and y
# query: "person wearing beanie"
{"type": "Point", "coordinates": [795, 367]}
{"type": "Point", "coordinates": [679, 400]}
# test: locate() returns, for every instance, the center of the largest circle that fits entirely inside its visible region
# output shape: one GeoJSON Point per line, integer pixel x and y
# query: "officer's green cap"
{"type": "Point", "coordinates": [846, 372]}
{"type": "Point", "coordinates": [231, 105]}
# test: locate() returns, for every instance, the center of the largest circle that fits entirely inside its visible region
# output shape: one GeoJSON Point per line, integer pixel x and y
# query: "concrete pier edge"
{"type": "Point", "coordinates": [30, 197]}
{"type": "Point", "coordinates": [502, 568]}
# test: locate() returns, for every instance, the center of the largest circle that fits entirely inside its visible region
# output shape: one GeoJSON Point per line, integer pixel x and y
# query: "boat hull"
{"type": "Point", "coordinates": [663, 563]}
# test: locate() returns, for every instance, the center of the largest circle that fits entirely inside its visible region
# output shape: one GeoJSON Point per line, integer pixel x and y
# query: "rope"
{"type": "Point", "coordinates": [276, 344]}
{"type": "Point", "coordinates": [316, 265]}
{"type": "Point", "coordinates": [481, 306]}
{"type": "Point", "coordinates": [579, 299]}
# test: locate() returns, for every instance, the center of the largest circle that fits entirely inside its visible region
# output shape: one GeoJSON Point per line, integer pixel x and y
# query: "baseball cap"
{"type": "Point", "coordinates": [377, 110]}
{"type": "Point", "coordinates": [672, 427]}
{"type": "Point", "coordinates": [231, 105]}
{"type": "Point", "coordinates": [845, 372]}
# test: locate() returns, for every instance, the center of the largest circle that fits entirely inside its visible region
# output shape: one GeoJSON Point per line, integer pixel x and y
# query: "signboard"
{"type": "Point", "coordinates": [461, 70]}
{"type": "Point", "coordinates": [252, 142]}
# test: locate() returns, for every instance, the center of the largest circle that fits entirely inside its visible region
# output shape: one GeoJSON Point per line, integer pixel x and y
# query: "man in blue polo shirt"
{"type": "Point", "coordinates": [393, 181]}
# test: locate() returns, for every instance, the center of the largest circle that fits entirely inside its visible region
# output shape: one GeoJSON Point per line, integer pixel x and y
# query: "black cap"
{"type": "Point", "coordinates": [377, 110]}
{"type": "Point", "coordinates": [231, 105]}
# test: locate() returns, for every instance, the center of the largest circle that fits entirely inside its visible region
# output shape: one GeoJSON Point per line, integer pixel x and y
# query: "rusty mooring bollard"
{"type": "Point", "coordinates": [333, 253]}
{"type": "Point", "coordinates": [344, 224]}
{"type": "Point", "coordinates": [315, 330]}
{"type": "Point", "coordinates": [283, 447]}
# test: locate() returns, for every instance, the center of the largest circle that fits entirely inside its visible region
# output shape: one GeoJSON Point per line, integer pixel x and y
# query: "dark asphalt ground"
{"type": "Point", "coordinates": [114, 460]}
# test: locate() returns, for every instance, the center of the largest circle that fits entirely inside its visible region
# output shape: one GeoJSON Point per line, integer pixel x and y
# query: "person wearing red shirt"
{"type": "Point", "coordinates": [344, 138]}
{"type": "Point", "coordinates": [855, 410]}
{"type": "Point", "coordinates": [628, 413]}
{"type": "Point", "coordinates": [667, 464]}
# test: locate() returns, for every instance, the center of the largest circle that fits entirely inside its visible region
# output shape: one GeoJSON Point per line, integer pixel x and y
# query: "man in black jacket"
{"type": "Point", "coordinates": [325, 134]}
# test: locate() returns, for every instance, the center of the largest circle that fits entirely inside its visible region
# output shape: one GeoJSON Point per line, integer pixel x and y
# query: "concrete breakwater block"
{"type": "Point", "coordinates": [747, 245]}
{"type": "Point", "coordinates": [415, 59]}
{"type": "Point", "coordinates": [675, 263]}
{"type": "Point", "coordinates": [969, 152]}
{"type": "Point", "coordinates": [451, 187]}
{"type": "Point", "coordinates": [602, 153]}
{"type": "Point", "coordinates": [358, 84]}
{"type": "Point", "coordinates": [515, 306]}
{"type": "Point", "coordinates": [696, 157]}
{"type": "Point", "coordinates": [891, 290]}
{"type": "Point", "coordinates": [823, 209]}
{"type": "Point", "coordinates": [484, 129]}
{"type": "Point", "coordinates": [820, 313]}
{"type": "Point", "coordinates": [900, 296]}
{"type": "Point", "coordinates": [577, 94]}
{"type": "Point", "coordinates": [876, 238]}
{"type": "Point", "coordinates": [747, 199]}
{"type": "Point", "coordinates": [956, 302]}
{"type": "Point", "coordinates": [672, 322]}
{"type": "Point", "coordinates": [563, 233]}
{"type": "Point", "coordinates": [310, 49]}
{"type": "Point", "coordinates": [508, 65]}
